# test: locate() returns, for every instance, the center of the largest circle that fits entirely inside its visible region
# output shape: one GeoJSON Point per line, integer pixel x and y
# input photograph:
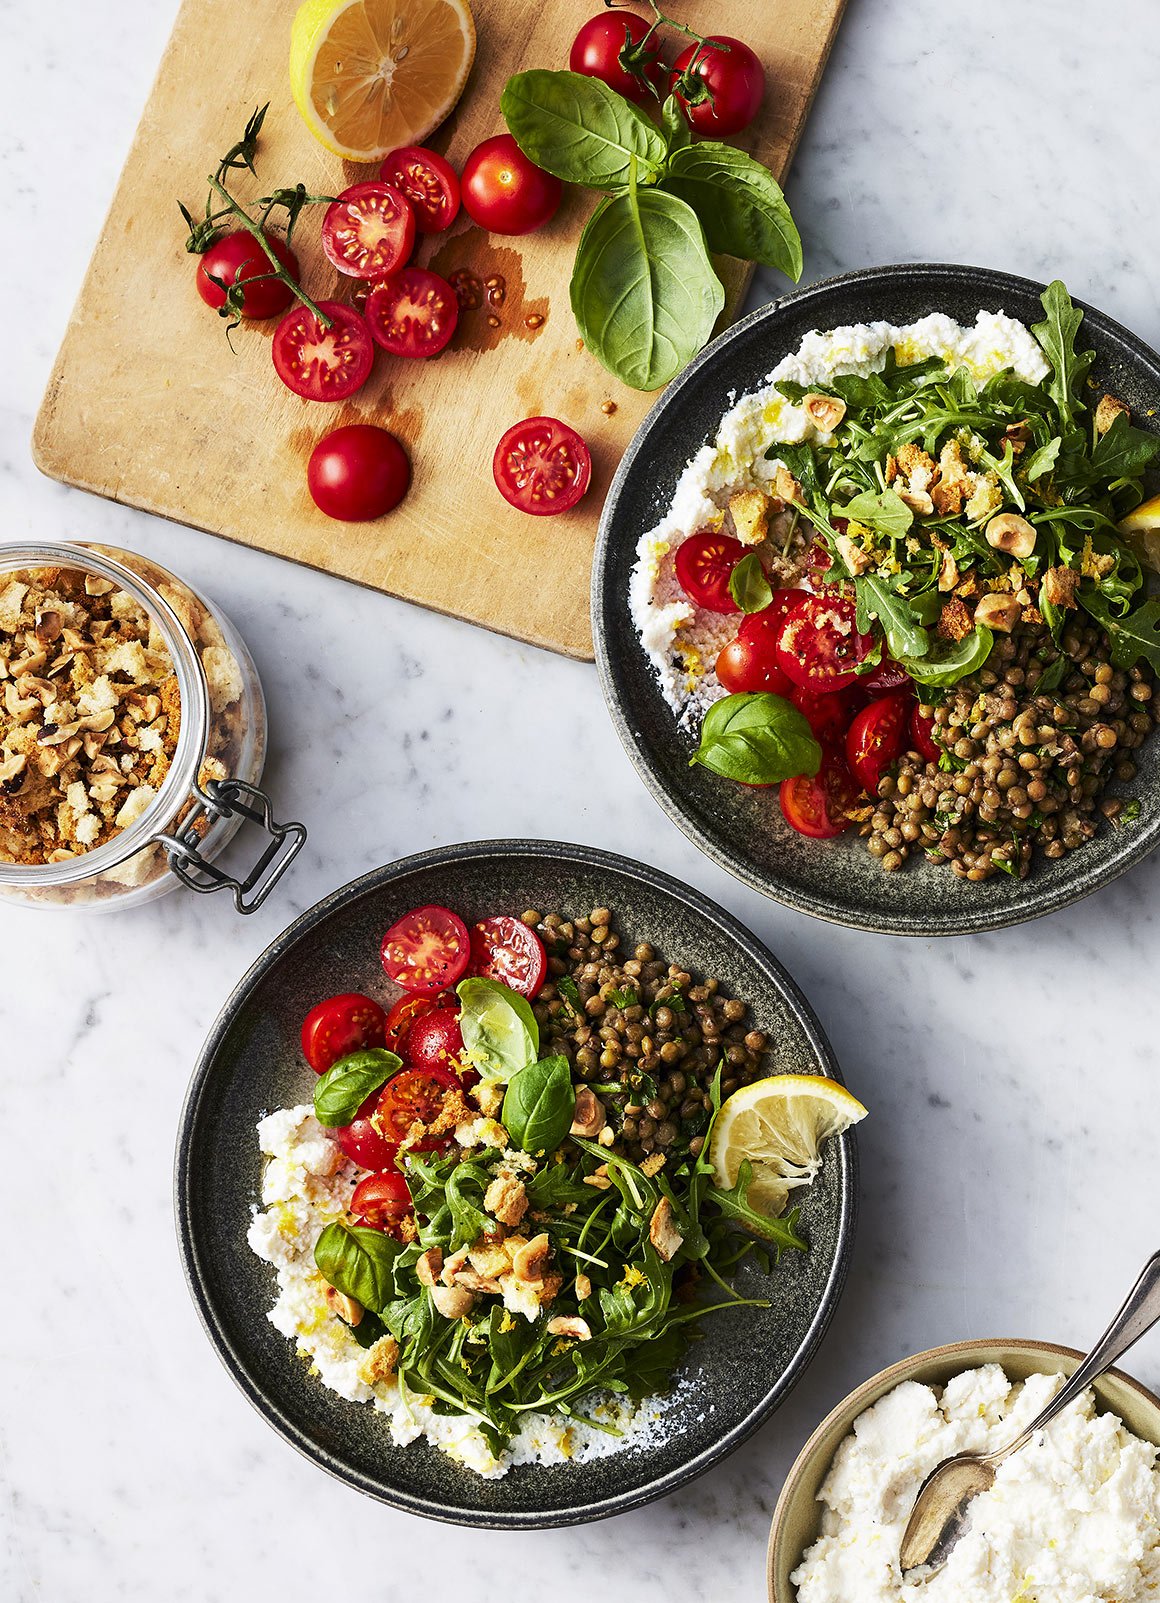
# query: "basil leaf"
{"type": "Point", "coordinates": [539, 1105]}
{"type": "Point", "coordinates": [359, 1262]}
{"type": "Point", "coordinates": [887, 512]}
{"type": "Point", "coordinates": [748, 585]}
{"type": "Point", "coordinates": [345, 1086]}
{"type": "Point", "coordinates": [1042, 460]}
{"type": "Point", "coordinates": [581, 130]}
{"type": "Point", "coordinates": [740, 204]}
{"type": "Point", "coordinates": [1057, 335]}
{"type": "Point", "coordinates": [677, 131]}
{"type": "Point", "coordinates": [943, 667]}
{"type": "Point", "coordinates": [499, 1029]}
{"type": "Point", "coordinates": [758, 739]}
{"type": "Point", "coordinates": [905, 636]}
{"type": "Point", "coordinates": [644, 293]}
{"type": "Point", "coordinates": [1133, 637]}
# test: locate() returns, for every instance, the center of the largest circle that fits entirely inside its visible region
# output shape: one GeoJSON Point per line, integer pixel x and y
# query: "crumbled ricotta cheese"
{"type": "Point", "coordinates": [1072, 1517]}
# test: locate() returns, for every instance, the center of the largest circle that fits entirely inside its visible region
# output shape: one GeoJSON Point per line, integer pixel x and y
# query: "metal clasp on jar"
{"type": "Point", "coordinates": [229, 798]}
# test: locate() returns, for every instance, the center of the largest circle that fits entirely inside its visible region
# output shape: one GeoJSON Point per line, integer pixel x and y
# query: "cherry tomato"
{"type": "Point", "coordinates": [368, 231]}
{"type": "Point", "coordinates": [817, 805]}
{"type": "Point", "coordinates": [600, 46]}
{"type": "Point", "coordinates": [784, 601]}
{"type": "Point", "coordinates": [922, 736]}
{"type": "Point", "coordinates": [427, 950]}
{"type": "Point", "coordinates": [363, 1142]}
{"type": "Point", "coordinates": [357, 473]}
{"type": "Point", "coordinates": [404, 1013]}
{"type": "Point", "coordinates": [505, 192]}
{"type": "Point", "coordinates": [889, 675]}
{"type": "Point", "coordinates": [874, 738]}
{"type": "Point", "coordinates": [819, 646]}
{"type": "Point", "coordinates": [237, 257]}
{"type": "Point", "coordinates": [505, 949]}
{"type": "Point", "coordinates": [434, 1040]}
{"type": "Point", "coordinates": [704, 564]}
{"type": "Point", "coordinates": [412, 313]}
{"type": "Point", "coordinates": [746, 665]}
{"type": "Point", "coordinates": [827, 715]}
{"type": "Point", "coordinates": [429, 182]}
{"type": "Point", "coordinates": [381, 1201]}
{"type": "Point", "coordinates": [320, 363]}
{"type": "Point", "coordinates": [339, 1026]}
{"type": "Point", "coordinates": [735, 80]}
{"type": "Point", "coordinates": [542, 466]}
{"type": "Point", "coordinates": [818, 561]}
{"type": "Point", "coordinates": [415, 1094]}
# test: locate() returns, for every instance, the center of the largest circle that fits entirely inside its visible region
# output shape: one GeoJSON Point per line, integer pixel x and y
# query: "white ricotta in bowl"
{"type": "Point", "coordinates": [681, 640]}
{"type": "Point", "coordinates": [1074, 1517]}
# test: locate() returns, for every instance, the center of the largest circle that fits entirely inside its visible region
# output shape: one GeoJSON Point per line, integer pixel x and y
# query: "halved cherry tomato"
{"type": "Point", "coordinates": [922, 736]}
{"type": "Point", "coordinates": [828, 716]}
{"type": "Point", "coordinates": [415, 1094]}
{"type": "Point", "coordinates": [783, 603]}
{"type": "Point", "coordinates": [819, 646]}
{"type": "Point", "coordinates": [363, 1142]}
{"type": "Point", "coordinates": [505, 949]}
{"type": "Point", "coordinates": [404, 1013]}
{"type": "Point", "coordinates": [357, 473]}
{"type": "Point", "coordinates": [320, 363]}
{"type": "Point", "coordinates": [381, 1201]}
{"type": "Point", "coordinates": [236, 258]}
{"type": "Point", "coordinates": [745, 665]}
{"type": "Point", "coordinates": [368, 231]}
{"type": "Point", "coordinates": [704, 565]}
{"type": "Point", "coordinates": [818, 805]}
{"type": "Point", "coordinates": [341, 1025]}
{"type": "Point", "coordinates": [429, 182]}
{"type": "Point", "coordinates": [599, 48]}
{"type": "Point", "coordinates": [504, 191]}
{"type": "Point", "coordinates": [889, 675]}
{"type": "Point", "coordinates": [434, 1040]}
{"type": "Point", "coordinates": [412, 313]}
{"type": "Point", "coordinates": [541, 466]}
{"type": "Point", "coordinates": [875, 737]}
{"type": "Point", "coordinates": [734, 79]}
{"type": "Point", "coordinates": [427, 950]}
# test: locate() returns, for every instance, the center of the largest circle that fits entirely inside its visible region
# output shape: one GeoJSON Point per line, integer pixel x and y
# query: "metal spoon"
{"type": "Point", "coordinates": [941, 1510]}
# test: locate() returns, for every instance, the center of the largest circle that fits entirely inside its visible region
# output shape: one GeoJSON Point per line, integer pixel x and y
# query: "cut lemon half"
{"type": "Point", "coordinates": [1142, 528]}
{"type": "Point", "coordinates": [780, 1125]}
{"type": "Point", "coordinates": [371, 75]}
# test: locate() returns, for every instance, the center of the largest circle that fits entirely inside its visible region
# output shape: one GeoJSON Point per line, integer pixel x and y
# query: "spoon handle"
{"type": "Point", "coordinates": [1139, 1313]}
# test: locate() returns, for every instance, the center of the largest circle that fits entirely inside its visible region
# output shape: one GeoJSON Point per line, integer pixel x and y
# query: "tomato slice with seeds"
{"type": "Point", "coordinates": [427, 950]}
{"type": "Point", "coordinates": [818, 805]}
{"type": "Point", "coordinates": [339, 1026]}
{"type": "Point", "coordinates": [819, 646]}
{"type": "Point", "coordinates": [368, 231]}
{"type": "Point", "coordinates": [410, 1095]}
{"type": "Point", "coordinates": [704, 564]}
{"type": "Point", "coordinates": [922, 736]}
{"type": "Point", "coordinates": [874, 738]}
{"type": "Point", "coordinates": [381, 1201]}
{"type": "Point", "coordinates": [429, 182]}
{"type": "Point", "coordinates": [542, 466]}
{"type": "Point", "coordinates": [320, 363]}
{"type": "Point", "coordinates": [505, 949]}
{"type": "Point", "coordinates": [412, 313]}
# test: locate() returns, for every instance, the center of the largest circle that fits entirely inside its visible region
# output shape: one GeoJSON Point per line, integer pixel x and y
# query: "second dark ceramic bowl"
{"type": "Point", "coordinates": [251, 1063]}
{"type": "Point", "coordinates": [742, 829]}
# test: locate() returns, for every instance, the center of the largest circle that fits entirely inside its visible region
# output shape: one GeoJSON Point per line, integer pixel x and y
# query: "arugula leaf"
{"type": "Point", "coordinates": [740, 204]}
{"type": "Point", "coordinates": [539, 1105]}
{"type": "Point", "coordinates": [570, 991]}
{"type": "Point", "coordinates": [345, 1086]}
{"type": "Point", "coordinates": [748, 584]}
{"type": "Point", "coordinates": [905, 637]}
{"type": "Point", "coordinates": [1041, 461]}
{"type": "Point", "coordinates": [1069, 367]}
{"type": "Point", "coordinates": [946, 664]}
{"type": "Point", "coordinates": [499, 1029]}
{"type": "Point", "coordinates": [1052, 676]}
{"type": "Point", "coordinates": [644, 293]}
{"type": "Point", "coordinates": [581, 130]}
{"type": "Point", "coordinates": [733, 1203]}
{"type": "Point", "coordinates": [758, 739]}
{"type": "Point", "coordinates": [886, 512]}
{"type": "Point", "coordinates": [1123, 452]}
{"type": "Point", "coordinates": [1132, 637]}
{"type": "Point", "coordinates": [359, 1262]}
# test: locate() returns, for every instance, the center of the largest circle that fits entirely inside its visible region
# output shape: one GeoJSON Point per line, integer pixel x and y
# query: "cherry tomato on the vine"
{"type": "Point", "coordinates": [237, 257]}
{"type": "Point", "coordinates": [604, 43]}
{"type": "Point", "coordinates": [734, 86]}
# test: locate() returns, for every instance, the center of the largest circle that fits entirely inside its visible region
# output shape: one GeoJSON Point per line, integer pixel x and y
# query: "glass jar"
{"type": "Point", "coordinates": [162, 835]}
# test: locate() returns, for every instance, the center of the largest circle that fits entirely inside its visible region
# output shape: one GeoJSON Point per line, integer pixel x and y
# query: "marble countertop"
{"type": "Point", "coordinates": [1008, 1177]}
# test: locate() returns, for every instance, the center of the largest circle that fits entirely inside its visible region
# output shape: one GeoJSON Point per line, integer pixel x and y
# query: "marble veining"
{"type": "Point", "coordinates": [1008, 1166]}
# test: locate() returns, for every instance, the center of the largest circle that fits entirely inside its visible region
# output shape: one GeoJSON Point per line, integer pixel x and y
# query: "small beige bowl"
{"type": "Point", "coordinates": [797, 1517]}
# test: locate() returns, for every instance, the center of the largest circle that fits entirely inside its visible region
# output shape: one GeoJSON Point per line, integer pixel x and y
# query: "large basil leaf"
{"type": "Point", "coordinates": [499, 1029]}
{"type": "Point", "coordinates": [360, 1262]}
{"type": "Point", "coordinates": [579, 129]}
{"type": "Point", "coordinates": [345, 1086]}
{"type": "Point", "coordinates": [942, 667]}
{"type": "Point", "coordinates": [905, 636]}
{"type": "Point", "coordinates": [644, 292]}
{"type": "Point", "coordinates": [1133, 637]}
{"type": "Point", "coordinates": [740, 204]}
{"type": "Point", "coordinates": [1056, 334]}
{"type": "Point", "coordinates": [539, 1105]}
{"type": "Point", "coordinates": [758, 739]}
{"type": "Point", "coordinates": [749, 586]}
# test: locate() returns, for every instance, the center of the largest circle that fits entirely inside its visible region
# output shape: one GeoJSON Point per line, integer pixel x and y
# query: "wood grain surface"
{"type": "Point", "coordinates": [147, 404]}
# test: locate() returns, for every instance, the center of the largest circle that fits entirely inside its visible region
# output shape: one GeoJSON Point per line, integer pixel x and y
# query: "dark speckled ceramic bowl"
{"type": "Point", "coordinates": [251, 1063]}
{"type": "Point", "coordinates": [742, 829]}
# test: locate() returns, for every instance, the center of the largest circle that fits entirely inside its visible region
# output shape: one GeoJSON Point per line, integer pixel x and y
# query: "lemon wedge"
{"type": "Point", "coordinates": [780, 1125]}
{"type": "Point", "coordinates": [1142, 528]}
{"type": "Point", "coordinates": [371, 75]}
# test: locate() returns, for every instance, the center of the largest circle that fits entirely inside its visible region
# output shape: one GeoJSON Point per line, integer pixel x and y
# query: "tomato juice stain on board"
{"type": "Point", "coordinates": [489, 282]}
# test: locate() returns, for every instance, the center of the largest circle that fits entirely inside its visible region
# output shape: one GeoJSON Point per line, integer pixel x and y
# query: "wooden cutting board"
{"type": "Point", "coordinates": [148, 406]}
